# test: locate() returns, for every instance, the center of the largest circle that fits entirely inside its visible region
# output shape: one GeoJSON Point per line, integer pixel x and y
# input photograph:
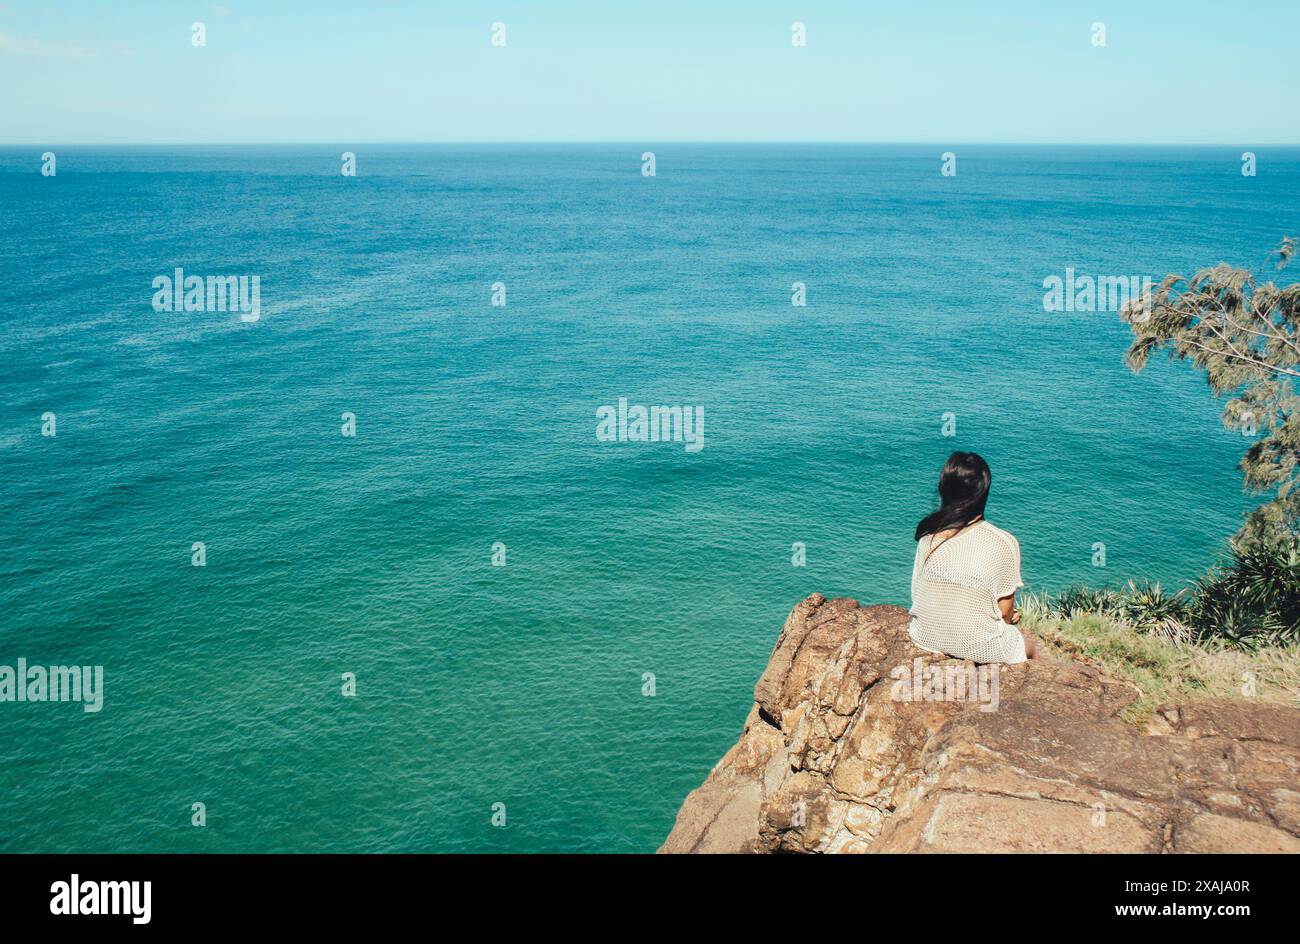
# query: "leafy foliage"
{"type": "Point", "coordinates": [1252, 601]}
{"type": "Point", "coordinates": [1245, 334]}
{"type": "Point", "coordinates": [1143, 606]}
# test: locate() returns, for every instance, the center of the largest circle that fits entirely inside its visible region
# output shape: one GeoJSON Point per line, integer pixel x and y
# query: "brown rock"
{"type": "Point", "coordinates": [860, 742]}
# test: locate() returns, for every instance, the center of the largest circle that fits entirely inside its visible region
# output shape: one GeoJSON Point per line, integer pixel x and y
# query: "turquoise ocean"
{"type": "Point", "coordinates": [524, 684]}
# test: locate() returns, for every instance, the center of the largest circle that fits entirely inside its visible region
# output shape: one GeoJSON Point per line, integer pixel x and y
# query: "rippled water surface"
{"type": "Point", "coordinates": [475, 424]}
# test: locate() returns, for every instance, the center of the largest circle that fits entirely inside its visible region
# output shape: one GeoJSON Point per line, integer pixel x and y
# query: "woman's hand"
{"type": "Point", "coordinates": [1007, 610]}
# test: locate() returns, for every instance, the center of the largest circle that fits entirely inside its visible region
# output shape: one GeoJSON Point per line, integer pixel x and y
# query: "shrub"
{"type": "Point", "coordinates": [1251, 601]}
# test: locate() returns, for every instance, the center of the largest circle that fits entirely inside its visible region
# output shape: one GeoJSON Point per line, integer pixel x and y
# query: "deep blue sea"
{"type": "Point", "coordinates": [524, 684]}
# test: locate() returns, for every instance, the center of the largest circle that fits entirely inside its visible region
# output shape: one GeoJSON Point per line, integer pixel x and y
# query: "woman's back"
{"type": "Point", "coordinates": [956, 584]}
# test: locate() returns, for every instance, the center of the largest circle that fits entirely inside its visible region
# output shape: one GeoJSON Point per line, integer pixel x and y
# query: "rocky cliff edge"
{"type": "Point", "coordinates": [860, 742]}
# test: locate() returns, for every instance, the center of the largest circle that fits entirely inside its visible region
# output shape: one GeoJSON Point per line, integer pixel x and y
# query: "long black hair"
{"type": "Point", "coordinates": [963, 491]}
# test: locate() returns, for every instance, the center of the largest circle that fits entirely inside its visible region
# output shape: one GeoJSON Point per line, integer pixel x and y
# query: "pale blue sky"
{"type": "Point", "coordinates": [1172, 71]}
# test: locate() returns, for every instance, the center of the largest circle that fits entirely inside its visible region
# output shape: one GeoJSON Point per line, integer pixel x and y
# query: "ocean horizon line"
{"type": "Point", "coordinates": [657, 141]}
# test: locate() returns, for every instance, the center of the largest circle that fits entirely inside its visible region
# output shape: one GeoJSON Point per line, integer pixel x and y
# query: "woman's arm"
{"type": "Point", "coordinates": [1009, 612]}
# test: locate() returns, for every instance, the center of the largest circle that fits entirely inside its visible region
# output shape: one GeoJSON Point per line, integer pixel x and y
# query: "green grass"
{"type": "Point", "coordinates": [1166, 666]}
{"type": "Point", "coordinates": [1251, 601]}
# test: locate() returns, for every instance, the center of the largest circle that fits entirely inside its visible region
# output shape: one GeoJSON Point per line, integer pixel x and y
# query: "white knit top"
{"type": "Point", "coordinates": [955, 591]}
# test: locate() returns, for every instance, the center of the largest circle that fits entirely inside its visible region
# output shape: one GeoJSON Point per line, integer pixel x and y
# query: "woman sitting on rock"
{"type": "Point", "coordinates": [966, 574]}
